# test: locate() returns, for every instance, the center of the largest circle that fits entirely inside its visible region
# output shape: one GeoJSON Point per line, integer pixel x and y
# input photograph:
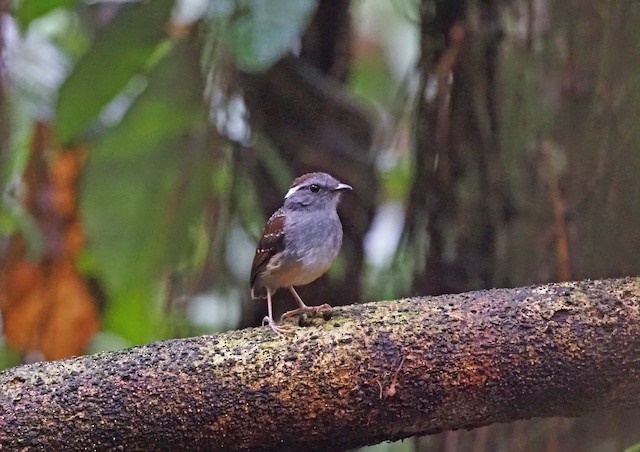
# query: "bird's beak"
{"type": "Point", "coordinates": [342, 187]}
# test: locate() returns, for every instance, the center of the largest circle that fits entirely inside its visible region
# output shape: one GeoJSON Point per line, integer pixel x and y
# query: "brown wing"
{"type": "Point", "coordinates": [272, 242]}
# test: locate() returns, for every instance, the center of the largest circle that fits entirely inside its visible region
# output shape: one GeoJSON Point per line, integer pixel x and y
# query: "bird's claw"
{"type": "Point", "coordinates": [313, 310]}
{"type": "Point", "coordinates": [279, 330]}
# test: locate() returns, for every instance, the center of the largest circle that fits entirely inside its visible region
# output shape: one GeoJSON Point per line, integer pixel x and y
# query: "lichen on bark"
{"type": "Point", "coordinates": [373, 372]}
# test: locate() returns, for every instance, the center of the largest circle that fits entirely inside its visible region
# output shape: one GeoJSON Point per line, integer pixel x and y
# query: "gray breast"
{"type": "Point", "coordinates": [313, 241]}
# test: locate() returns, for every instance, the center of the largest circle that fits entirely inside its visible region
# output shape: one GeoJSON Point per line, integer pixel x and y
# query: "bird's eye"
{"type": "Point", "coordinates": [314, 188]}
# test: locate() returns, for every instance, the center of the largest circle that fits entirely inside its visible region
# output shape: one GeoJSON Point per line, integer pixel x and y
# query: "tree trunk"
{"type": "Point", "coordinates": [458, 197]}
{"type": "Point", "coordinates": [373, 372]}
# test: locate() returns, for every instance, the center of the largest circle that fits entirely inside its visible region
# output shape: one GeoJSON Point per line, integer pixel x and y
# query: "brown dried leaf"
{"type": "Point", "coordinates": [48, 309]}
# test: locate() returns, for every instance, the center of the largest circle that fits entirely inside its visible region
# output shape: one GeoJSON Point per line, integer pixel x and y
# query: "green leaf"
{"type": "Point", "coordinates": [29, 10]}
{"type": "Point", "coordinates": [264, 32]}
{"type": "Point", "coordinates": [145, 184]}
{"type": "Point", "coordinates": [634, 448]}
{"type": "Point", "coordinates": [121, 50]}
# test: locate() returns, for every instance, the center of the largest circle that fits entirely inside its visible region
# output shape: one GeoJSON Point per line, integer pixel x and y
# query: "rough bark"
{"type": "Point", "coordinates": [373, 372]}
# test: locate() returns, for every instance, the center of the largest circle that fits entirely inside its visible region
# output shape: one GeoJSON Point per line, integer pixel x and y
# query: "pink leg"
{"type": "Point", "coordinates": [303, 308]}
{"type": "Point", "coordinates": [279, 330]}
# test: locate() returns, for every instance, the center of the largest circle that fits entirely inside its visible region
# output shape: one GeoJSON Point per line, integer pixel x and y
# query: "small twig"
{"type": "Point", "coordinates": [563, 256]}
{"type": "Point", "coordinates": [392, 389]}
{"type": "Point", "coordinates": [375, 380]}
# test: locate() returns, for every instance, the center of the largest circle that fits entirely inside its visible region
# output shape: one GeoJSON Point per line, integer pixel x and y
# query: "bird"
{"type": "Point", "coordinates": [299, 243]}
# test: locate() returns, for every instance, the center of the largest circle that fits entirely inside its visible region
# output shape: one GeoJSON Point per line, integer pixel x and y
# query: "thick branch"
{"type": "Point", "coordinates": [373, 372]}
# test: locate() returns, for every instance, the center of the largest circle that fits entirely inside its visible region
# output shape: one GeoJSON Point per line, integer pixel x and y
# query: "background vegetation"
{"type": "Point", "coordinates": [143, 144]}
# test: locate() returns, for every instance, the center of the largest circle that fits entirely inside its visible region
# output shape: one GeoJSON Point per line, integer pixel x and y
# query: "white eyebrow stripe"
{"type": "Point", "coordinates": [291, 191]}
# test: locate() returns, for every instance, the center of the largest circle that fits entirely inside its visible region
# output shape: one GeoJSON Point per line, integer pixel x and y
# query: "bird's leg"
{"type": "Point", "coordinates": [303, 308]}
{"type": "Point", "coordinates": [279, 330]}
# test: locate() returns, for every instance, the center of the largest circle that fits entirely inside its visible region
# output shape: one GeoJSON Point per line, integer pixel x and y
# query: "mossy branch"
{"type": "Point", "coordinates": [374, 372]}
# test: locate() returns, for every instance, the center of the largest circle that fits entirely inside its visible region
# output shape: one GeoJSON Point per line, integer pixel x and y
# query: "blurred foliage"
{"type": "Point", "coordinates": [145, 185]}
{"type": "Point", "coordinates": [137, 96]}
{"type": "Point", "coordinates": [49, 309]}
{"type": "Point", "coordinates": [260, 32]}
{"type": "Point", "coordinates": [567, 122]}
{"type": "Point", "coordinates": [124, 47]}
{"type": "Point", "coordinates": [634, 448]}
{"type": "Point", "coordinates": [29, 10]}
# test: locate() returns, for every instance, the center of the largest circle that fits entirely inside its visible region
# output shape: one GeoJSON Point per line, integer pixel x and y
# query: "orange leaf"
{"type": "Point", "coordinates": [48, 309]}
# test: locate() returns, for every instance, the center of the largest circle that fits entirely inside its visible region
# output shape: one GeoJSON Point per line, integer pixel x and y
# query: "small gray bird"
{"type": "Point", "coordinates": [299, 242]}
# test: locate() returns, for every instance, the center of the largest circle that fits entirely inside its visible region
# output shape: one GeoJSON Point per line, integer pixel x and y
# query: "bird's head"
{"type": "Point", "coordinates": [314, 191]}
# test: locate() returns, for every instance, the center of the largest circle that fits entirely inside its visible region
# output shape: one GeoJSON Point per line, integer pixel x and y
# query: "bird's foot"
{"type": "Point", "coordinates": [279, 330]}
{"type": "Point", "coordinates": [313, 310]}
